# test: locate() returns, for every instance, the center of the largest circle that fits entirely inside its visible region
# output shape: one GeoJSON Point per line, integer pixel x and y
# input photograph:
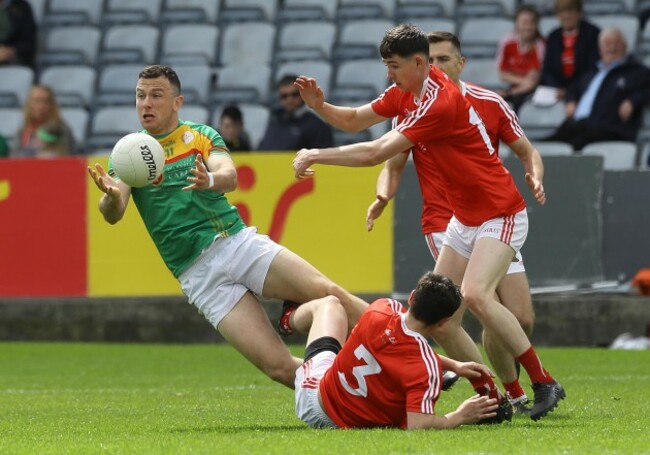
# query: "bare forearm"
{"type": "Point", "coordinates": [225, 181]}
{"type": "Point", "coordinates": [111, 208]}
{"type": "Point", "coordinates": [341, 117]}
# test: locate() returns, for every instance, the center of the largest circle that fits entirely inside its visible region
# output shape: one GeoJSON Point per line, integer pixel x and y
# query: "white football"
{"type": "Point", "coordinates": [138, 159]}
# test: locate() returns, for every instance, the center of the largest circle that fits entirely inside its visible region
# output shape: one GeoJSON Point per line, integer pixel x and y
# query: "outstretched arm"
{"type": "Point", "coordinates": [115, 199]}
{"type": "Point", "coordinates": [350, 119]}
{"type": "Point", "coordinates": [533, 165]}
{"type": "Point", "coordinates": [470, 411]}
{"type": "Point", "coordinates": [387, 185]}
{"type": "Point", "coordinates": [361, 154]}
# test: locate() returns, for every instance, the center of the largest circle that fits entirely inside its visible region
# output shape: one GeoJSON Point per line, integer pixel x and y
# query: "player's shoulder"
{"type": "Point", "coordinates": [485, 95]}
{"type": "Point", "coordinates": [387, 305]}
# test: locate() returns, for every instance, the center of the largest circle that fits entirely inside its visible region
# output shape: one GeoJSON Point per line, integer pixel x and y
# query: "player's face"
{"type": "Point", "coordinates": [444, 56]}
{"type": "Point", "coordinates": [157, 104]}
{"type": "Point", "coordinates": [406, 72]}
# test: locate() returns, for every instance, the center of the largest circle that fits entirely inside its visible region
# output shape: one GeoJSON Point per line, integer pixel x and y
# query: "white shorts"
{"type": "Point", "coordinates": [226, 270]}
{"type": "Point", "coordinates": [511, 230]}
{"type": "Point", "coordinates": [435, 240]}
{"type": "Point", "coordinates": [308, 377]}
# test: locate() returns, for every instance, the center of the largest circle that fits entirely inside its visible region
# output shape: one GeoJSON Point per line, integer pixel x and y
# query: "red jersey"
{"type": "Point", "coordinates": [383, 371]}
{"type": "Point", "coordinates": [511, 57]}
{"type": "Point", "coordinates": [451, 144]}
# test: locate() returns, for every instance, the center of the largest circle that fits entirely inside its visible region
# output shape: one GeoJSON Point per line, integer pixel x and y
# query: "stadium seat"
{"type": "Point", "coordinates": [482, 71]}
{"type": "Point", "coordinates": [77, 119]}
{"type": "Point", "coordinates": [418, 11]}
{"type": "Point", "coordinates": [480, 37]}
{"type": "Point", "coordinates": [12, 120]}
{"type": "Point", "coordinates": [123, 12]}
{"type": "Point", "coordinates": [368, 73]}
{"type": "Point", "coordinates": [604, 7]}
{"type": "Point", "coordinates": [196, 82]}
{"type": "Point", "coordinates": [16, 83]}
{"type": "Point", "coordinates": [176, 49]}
{"type": "Point", "coordinates": [130, 44]}
{"type": "Point", "coordinates": [268, 8]}
{"type": "Point", "coordinates": [247, 42]}
{"type": "Point", "coordinates": [306, 40]}
{"type": "Point", "coordinates": [365, 9]}
{"type": "Point", "coordinates": [176, 11]}
{"type": "Point", "coordinates": [481, 9]}
{"type": "Point", "coordinates": [644, 157]}
{"type": "Point", "coordinates": [245, 83]}
{"type": "Point", "coordinates": [73, 12]}
{"type": "Point", "coordinates": [434, 25]}
{"type": "Point", "coordinates": [74, 86]}
{"type": "Point", "coordinates": [329, 7]}
{"type": "Point", "coordinates": [551, 148]}
{"type": "Point", "coordinates": [117, 85]}
{"type": "Point", "coordinates": [360, 39]}
{"type": "Point", "coordinates": [378, 130]}
{"type": "Point", "coordinates": [540, 121]}
{"type": "Point", "coordinates": [74, 45]}
{"type": "Point", "coordinates": [547, 24]}
{"type": "Point", "coordinates": [618, 155]}
{"type": "Point", "coordinates": [256, 118]}
{"type": "Point", "coordinates": [38, 10]}
{"type": "Point", "coordinates": [194, 113]}
{"type": "Point", "coordinates": [109, 124]}
{"type": "Point", "coordinates": [628, 24]}
{"type": "Point", "coordinates": [343, 137]}
{"type": "Point", "coordinates": [320, 70]}
{"type": "Point", "coordinates": [447, 7]}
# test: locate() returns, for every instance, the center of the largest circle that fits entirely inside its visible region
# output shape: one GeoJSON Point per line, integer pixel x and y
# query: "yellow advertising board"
{"type": "Point", "coordinates": [321, 219]}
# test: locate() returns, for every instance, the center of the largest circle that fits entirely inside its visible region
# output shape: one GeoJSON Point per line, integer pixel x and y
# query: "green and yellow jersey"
{"type": "Point", "coordinates": [183, 223]}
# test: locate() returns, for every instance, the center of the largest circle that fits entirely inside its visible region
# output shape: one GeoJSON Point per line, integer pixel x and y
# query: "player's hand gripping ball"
{"type": "Point", "coordinates": [138, 159]}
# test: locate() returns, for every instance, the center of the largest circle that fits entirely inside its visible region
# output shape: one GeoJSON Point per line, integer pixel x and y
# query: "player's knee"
{"type": "Point", "coordinates": [331, 306]}
{"type": "Point", "coordinates": [475, 298]}
{"type": "Point", "coordinates": [284, 374]}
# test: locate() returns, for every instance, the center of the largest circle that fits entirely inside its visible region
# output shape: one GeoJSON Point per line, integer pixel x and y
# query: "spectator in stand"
{"type": "Point", "coordinates": [231, 128]}
{"type": "Point", "coordinates": [17, 33]}
{"type": "Point", "coordinates": [520, 57]}
{"type": "Point", "coordinates": [293, 126]}
{"type": "Point", "coordinates": [41, 109]}
{"type": "Point", "coordinates": [571, 49]}
{"type": "Point", "coordinates": [607, 103]}
{"type": "Point", "coordinates": [52, 138]}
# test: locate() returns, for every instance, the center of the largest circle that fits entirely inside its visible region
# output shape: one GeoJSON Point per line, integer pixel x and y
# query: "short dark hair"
{"type": "Point", "coordinates": [445, 37]}
{"type": "Point", "coordinates": [435, 297]}
{"type": "Point", "coordinates": [404, 40]}
{"type": "Point", "coordinates": [287, 79]}
{"type": "Point", "coordinates": [156, 71]}
{"type": "Point", "coordinates": [233, 112]}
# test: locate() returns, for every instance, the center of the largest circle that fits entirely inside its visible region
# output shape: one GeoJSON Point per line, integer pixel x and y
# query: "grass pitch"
{"type": "Point", "coordinates": [175, 399]}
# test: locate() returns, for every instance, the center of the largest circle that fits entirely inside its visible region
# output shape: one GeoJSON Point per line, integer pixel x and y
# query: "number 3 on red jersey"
{"type": "Point", "coordinates": [360, 372]}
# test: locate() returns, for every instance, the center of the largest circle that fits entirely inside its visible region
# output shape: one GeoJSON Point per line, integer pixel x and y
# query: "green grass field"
{"type": "Point", "coordinates": [175, 399]}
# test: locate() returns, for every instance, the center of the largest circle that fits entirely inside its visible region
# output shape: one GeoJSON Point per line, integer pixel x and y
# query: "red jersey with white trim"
{"type": "Point", "coordinates": [383, 371]}
{"type": "Point", "coordinates": [512, 58]}
{"type": "Point", "coordinates": [451, 144]}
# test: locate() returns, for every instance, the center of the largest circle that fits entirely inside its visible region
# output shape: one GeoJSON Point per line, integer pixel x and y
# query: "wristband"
{"type": "Point", "coordinates": [210, 181]}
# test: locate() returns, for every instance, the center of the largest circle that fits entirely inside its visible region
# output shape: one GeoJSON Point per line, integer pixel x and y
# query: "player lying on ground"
{"type": "Point", "coordinates": [385, 374]}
